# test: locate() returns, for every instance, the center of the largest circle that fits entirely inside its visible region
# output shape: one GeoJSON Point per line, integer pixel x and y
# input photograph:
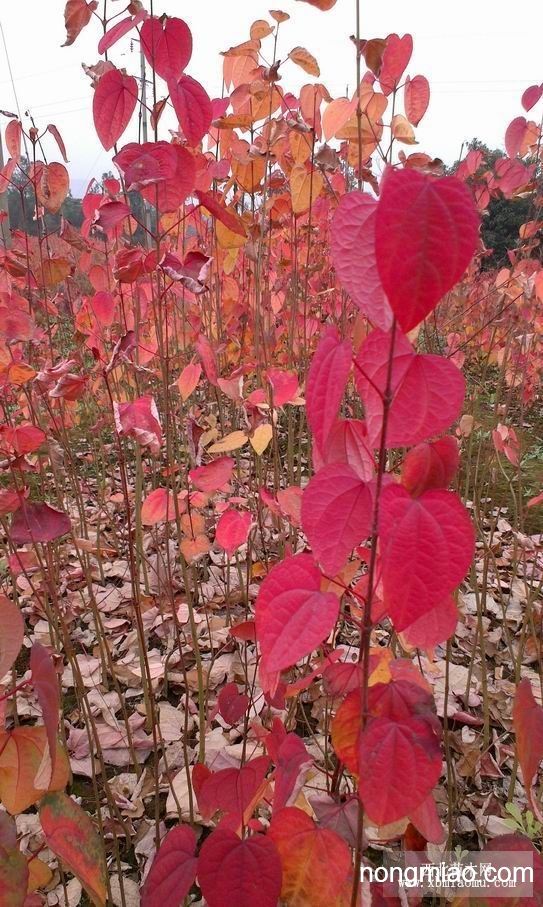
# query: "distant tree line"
{"type": "Point", "coordinates": [504, 217]}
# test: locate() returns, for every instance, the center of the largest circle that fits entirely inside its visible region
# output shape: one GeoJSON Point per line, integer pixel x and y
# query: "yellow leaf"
{"type": "Point", "coordinates": [402, 130]}
{"type": "Point", "coordinates": [305, 187]}
{"type": "Point", "coordinates": [300, 146]}
{"type": "Point", "coordinates": [54, 271]}
{"type": "Point", "coordinates": [226, 238]}
{"type": "Point", "coordinates": [234, 121]}
{"type": "Point", "coordinates": [233, 441]}
{"type": "Point", "coordinates": [39, 874]}
{"type": "Point", "coordinates": [261, 437]}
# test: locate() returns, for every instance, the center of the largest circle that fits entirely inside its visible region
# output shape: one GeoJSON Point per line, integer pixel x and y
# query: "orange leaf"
{"type": "Point", "coordinates": [13, 877]}
{"type": "Point", "coordinates": [52, 187]}
{"type": "Point", "coordinates": [159, 507]}
{"type": "Point", "coordinates": [279, 15]}
{"type": "Point", "coordinates": [260, 29]}
{"type": "Point", "coordinates": [39, 874]}
{"type": "Point", "coordinates": [20, 373]}
{"type": "Point", "coordinates": [22, 755]}
{"type": "Point", "coordinates": [193, 548]}
{"type": "Point", "coordinates": [335, 116]}
{"type": "Point", "coordinates": [188, 379]}
{"type": "Point", "coordinates": [300, 146]}
{"type": "Point", "coordinates": [305, 187]}
{"type": "Point", "coordinates": [54, 271]}
{"type": "Point", "coordinates": [316, 862]}
{"type": "Point", "coordinates": [77, 14]}
{"type": "Point", "coordinates": [13, 631]}
{"type": "Point", "coordinates": [71, 835]}
{"type": "Point", "coordinates": [261, 437]}
{"type": "Point", "coordinates": [323, 5]}
{"type": "Point", "coordinates": [305, 60]}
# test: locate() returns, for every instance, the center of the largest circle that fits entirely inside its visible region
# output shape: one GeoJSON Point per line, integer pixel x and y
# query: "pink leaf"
{"type": "Point", "coordinates": [207, 356]}
{"type": "Point", "coordinates": [284, 385]}
{"type": "Point", "coordinates": [139, 420]}
{"type": "Point", "coordinates": [173, 870]}
{"type": "Point", "coordinates": [103, 307]}
{"type": "Point", "coordinates": [45, 683]}
{"type": "Point", "coordinates": [167, 45]}
{"type": "Point", "coordinates": [528, 725]}
{"type": "Point", "coordinates": [293, 616]}
{"type": "Point", "coordinates": [164, 173]}
{"type": "Point", "coordinates": [233, 530]}
{"type": "Point", "coordinates": [353, 254]}
{"type": "Point", "coordinates": [159, 506]}
{"type": "Point", "coordinates": [38, 523]}
{"type": "Point", "coordinates": [426, 820]}
{"type": "Point", "coordinates": [416, 98]}
{"type": "Point", "coordinates": [347, 443]}
{"type": "Point", "coordinates": [114, 102]}
{"type": "Point", "coordinates": [120, 30]}
{"type": "Point", "coordinates": [235, 873]}
{"type": "Point", "coordinates": [429, 466]}
{"type": "Point", "coordinates": [232, 704]}
{"type": "Point", "coordinates": [514, 136]}
{"type": "Point", "coordinates": [192, 106]}
{"type": "Point", "coordinates": [396, 57]}
{"type": "Point", "coordinates": [427, 544]}
{"type": "Point", "coordinates": [12, 635]}
{"type": "Point", "coordinates": [336, 515]}
{"type": "Point", "coordinates": [531, 96]}
{"type": "Point", "coordinates": [425, 235]}
{"type": "Point", "coordinates": [110, 215]}
{"type": "Point", "coordinates": [326, 381]}
{"type": "Point", "coordinates": [234, 792]}
{"type": "Point", "coordinates": [427, 390]}
{"type": "Point", "coordinates": [188, 379]}
{"type": "Point", "coordinates": [434, 626]}
{"type": "Point", "coordinates": [293, 763]}
{"type": "Point", "coordinates": [213, 476]}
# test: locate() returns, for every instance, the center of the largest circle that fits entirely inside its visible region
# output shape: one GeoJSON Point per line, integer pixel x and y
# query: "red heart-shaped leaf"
{"type": "Point", "coordinates": [353, 253]}
{"type": "Point", "coordinates": [173, 870]}
{"type": "Point", "coordinates": [402, 763]}
{"type": "Point", "coordinates": [426, 232]}
{"type": "Point", "coordinates": [427, 544]}
{"type": "Point", "coordinates": [235, 873]}
{"type": "Point", "coordinates": [293, 616]}
{"type": "Point", "coordinates": [326, 382]}
{"type": "Point", "coordinates": [336, 514]}
{"type": "Point", "coordinates": [167, 45]}
{"type": "Point", "coordinates": [427, 391]}
{"type": "Point", "coordinates": [113, 104]}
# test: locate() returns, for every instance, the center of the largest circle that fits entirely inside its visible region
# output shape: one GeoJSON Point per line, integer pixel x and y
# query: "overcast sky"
{"type": "Point", "coordinates": [476, 55]}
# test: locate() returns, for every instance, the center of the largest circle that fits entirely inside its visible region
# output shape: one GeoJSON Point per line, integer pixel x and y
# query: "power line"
{"type": "Point", "coordinates": [41, 72]}
{"type": "Point", "coordinates": [8, 61]}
